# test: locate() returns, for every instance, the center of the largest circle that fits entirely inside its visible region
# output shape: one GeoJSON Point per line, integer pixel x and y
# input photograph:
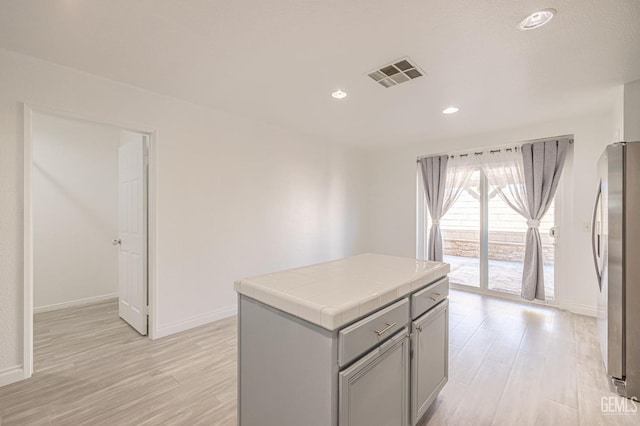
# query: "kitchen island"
{"type": "Point", "coordinates": [357, 341]}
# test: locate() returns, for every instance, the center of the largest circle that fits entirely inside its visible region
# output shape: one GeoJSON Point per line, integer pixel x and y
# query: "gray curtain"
{"type": "Point", "coordinates": [434, 172]}
{"type": "Point", "coordinates": [542, 167]}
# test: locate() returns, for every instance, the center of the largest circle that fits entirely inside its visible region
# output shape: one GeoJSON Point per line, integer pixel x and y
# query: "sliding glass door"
{"type": "Point", "coordinates": [484, 241]}
{"type": "Point", "coordinates": [461, 228]}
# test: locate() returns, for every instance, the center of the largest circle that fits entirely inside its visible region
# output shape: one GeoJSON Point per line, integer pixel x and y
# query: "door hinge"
{"type": "Point", "coordinates": [147, 310]}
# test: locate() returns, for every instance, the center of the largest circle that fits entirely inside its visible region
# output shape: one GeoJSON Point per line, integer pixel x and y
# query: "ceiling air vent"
{"type": "Point", "coordinates": [396, 72]}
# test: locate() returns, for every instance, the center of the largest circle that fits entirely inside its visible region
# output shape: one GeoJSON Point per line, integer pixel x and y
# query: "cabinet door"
{"type": "Point", "coordinates": [430, 358]}
{"type": "Point", "coordinates": [374, 391]}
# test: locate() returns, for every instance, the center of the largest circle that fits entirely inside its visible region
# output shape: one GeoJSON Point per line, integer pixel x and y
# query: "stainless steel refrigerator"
{"type": "Point", "coordinates": [616, 253]}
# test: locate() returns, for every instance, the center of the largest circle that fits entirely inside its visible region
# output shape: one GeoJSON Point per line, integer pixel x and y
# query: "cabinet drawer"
{"type": "Point", "coordinates": [358, 338]}
{"type": "Point", "coordinates": [425, 299]}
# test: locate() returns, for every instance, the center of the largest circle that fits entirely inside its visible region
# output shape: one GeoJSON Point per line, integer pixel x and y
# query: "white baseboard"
{"type": "Point", "coordinates": [195, 321]}
{"type": "Point", "coordinates": [588, 310]}
{"type": "Point", "coordinates": [11, 375]}
{"type": "Point", "coordinates": [79, 302]}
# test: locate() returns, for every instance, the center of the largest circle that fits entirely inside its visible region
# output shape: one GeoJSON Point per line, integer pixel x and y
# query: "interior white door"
{"type": "Point", "coordinates": [132, 224]}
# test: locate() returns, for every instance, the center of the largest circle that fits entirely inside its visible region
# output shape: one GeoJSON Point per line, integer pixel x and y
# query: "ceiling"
{"type": "Point", "coordinates": [278, 60]}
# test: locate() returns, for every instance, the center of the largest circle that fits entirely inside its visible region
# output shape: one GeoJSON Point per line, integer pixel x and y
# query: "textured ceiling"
{"type": "Point", "coordinates": [279, 60]}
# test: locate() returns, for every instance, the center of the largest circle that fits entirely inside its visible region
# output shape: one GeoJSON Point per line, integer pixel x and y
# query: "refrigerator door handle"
{"type": "Point", "coordinates": [594, 240]}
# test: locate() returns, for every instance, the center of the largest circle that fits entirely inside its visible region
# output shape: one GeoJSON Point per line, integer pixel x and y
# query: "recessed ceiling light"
{"type": "Point", "coordinates": [536, 19]}
{"type": "Point", "coordinates": [450, 110]}
{"type": "Point", "coordinates": [339, 94]}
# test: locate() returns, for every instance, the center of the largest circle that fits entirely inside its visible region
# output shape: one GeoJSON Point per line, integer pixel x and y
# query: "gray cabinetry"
{"type": "Point", "coordinates": [360, 337]}
{"type": "Point", "coordinates": [385, 368]}
{"type": "Point", "coordinates": [287, 369]}
{"type": "Point", "coordinates": [430, 360]}
{"type": "Point", "coordinates": [374, 391]}
{"type": "Point", "coordinates": [425, 299]}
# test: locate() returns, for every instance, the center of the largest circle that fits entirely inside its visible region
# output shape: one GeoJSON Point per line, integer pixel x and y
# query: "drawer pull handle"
{"type": "Point", "coordinates": [435, 299]}
{"type": "Point", "coordinates": [384, 330]}
{"type": "Point", "coordinates": [419, 328]}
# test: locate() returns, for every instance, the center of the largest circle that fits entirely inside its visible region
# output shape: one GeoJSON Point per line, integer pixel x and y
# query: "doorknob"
{"type": "Point", "coordinates": [116, 242]}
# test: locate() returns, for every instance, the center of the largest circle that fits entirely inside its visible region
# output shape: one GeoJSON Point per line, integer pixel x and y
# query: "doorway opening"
{"type": "Point", "coordinates": [89, 236]}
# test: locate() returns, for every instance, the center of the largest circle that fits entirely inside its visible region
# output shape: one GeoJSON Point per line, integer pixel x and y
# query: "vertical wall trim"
{"type": "Point", "coordinates": [27, 282]}
{"type": "Point", "coordinates": [152, 239]}
{"type": "Point", "coordinates": [484, 231]}
{"type": "Point", "coordinates": [421, 218]}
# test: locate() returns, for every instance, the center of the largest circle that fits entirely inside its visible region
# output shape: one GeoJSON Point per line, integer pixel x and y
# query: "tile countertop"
{"type": "Point", "coordinates": [335, 293]}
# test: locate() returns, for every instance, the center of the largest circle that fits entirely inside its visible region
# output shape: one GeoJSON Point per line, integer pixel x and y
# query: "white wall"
{"type": "Point", "coordinates": [632, 111]}
{"type": "Point", "coordinates": [75, 210]}
{"type": "Point", "coordinates": [617, 113]}
{"type": "Point", "coordinates": [391, 220]}
{"type": "Point", "coordinates": [235, 197]}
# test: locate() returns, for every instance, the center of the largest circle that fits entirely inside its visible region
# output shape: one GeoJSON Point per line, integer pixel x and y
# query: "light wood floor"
{"type": "Point", "coordinates": [92, 368]}
{"type": "Point", "coordinates": [515, 364]}
{"type": "Point", "coordinates": [511, 364]}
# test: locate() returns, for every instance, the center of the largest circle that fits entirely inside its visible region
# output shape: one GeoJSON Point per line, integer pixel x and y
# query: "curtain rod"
{"type": "Point", "coordinates": [492, 151]}
{"type": "Point", "coordinates": [475, 154]}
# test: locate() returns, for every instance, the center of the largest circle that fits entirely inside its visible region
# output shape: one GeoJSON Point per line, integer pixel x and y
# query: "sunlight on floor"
{"type": "Point", "coordinates": [503, 275]}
